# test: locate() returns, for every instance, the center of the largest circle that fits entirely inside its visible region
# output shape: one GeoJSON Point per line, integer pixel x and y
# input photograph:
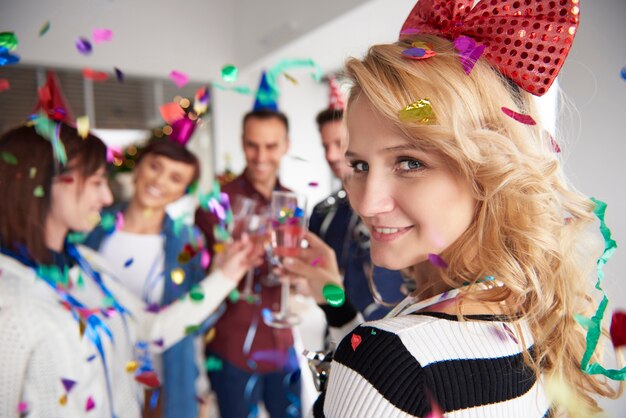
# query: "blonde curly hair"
{"type": "Point", "coordinates": [532, 229]}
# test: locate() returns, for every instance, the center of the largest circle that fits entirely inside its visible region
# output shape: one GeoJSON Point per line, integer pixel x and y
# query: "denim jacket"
{"type": "Point", "coordinates": [179, 366]}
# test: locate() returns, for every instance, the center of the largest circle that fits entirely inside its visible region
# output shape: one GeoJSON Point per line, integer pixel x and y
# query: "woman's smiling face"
{"type": "Point", "coordinates": [411, 201]}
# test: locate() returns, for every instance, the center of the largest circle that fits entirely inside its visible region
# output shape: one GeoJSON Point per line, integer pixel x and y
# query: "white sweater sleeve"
{"type": "Point", "coordinates": [169, 324]}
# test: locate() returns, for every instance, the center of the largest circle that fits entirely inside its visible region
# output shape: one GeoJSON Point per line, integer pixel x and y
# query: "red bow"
{"type": "Point", "coordinates": [527, 40]}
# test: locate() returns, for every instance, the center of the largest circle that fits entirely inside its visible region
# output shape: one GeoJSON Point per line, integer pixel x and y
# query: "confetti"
{"type": "Point", "coordinates": [373, 332]}
{"type": "Point", "coordinates": [291, 78]}
{"type": "Point", "coordinates": [355, 340]}
{"type": "Point", "coordinates": [525, 119]}
{"type": "Point", "coordinates": [437, 261]}
{"type": "Point", "coordinates": [229, 73]}
{"type": "Point", "coordinates": [313, 184]}
{"type": "Point", "coordinates": [83, 46]}
{"type": "Point", "coordinates": [4, 84]}
{"type": "Point", "coordinates": [171, 112]}
{"type": "Point", "coordinates": [334, 294]}
{"type": "Point", "coordinates": [119, 75]}
{"type": "Point", "coordinates": [65, 179]}
{"type": "Point", "coordinates": [178, 78]}
{"type": "Point", "coordinates": [90, 74]}
{"type": "Point", "coordinates": [201, 100]}
{"type": "Point", "coordinates": [560, 393]}
{"type": "Point", "coordinates": [6, 58]}
{"type": "Point", "coordinates": [102, 35]}
{"type": "Point", "coordinates": [178, 276]}
{"type": "Point", "coordinates": [316, 261]}
{"type": "Point", "coordinates": [196, 293]}
{"type": "Point", "coordinates": [68, 384]}
{"type": "Point", "coordinates": [82, 125]}
{"type": "Point", "coordinates": [234, 295]}
{"type": "Point", "coordinates": [22, 407]}
{"type": "Point", "coordinates": [419, 111]}
{"type": "Point", "coordinates": [618, 329]}
{"type": "Point", "coordinates": [107, 222]}
{"type": "Point", "coordinates": [205, 259]}
{"type": "Point", "coordinates": [39, 192]}
{"type": "Point", "coordinates": [623, 73]}
{"type": "Point", "coordinates": [212, 364]}
{"type": "Point", "coordinates": [129, 262]}
{"type": "Point", "coordinates": [149, 379]}
{"type": "Point", "coordinates": [209, 336]}
{"type": "Point", "coordinates": [418, 53]}
{"type": "Point", "coordinates": [131, 366]}
{"type": "Point", "coordinates": [113, 153]}
{"type": "Point", "coordinates": [119, 221]}
{"type": "Point", "coordinates": [63, 399]}
{"type": "Point", "coordinates": [8, 40]}
{"type": "Point", "coordinates": [191, 329]}
{"type": "Point", "coordinates": [8, 158]}
{"type": "Point", "coordinates": [44, 28]}
{"type": "Point", "coordinates": [469, 52]}
{"type": "Point", "coordinates": [90, 404]}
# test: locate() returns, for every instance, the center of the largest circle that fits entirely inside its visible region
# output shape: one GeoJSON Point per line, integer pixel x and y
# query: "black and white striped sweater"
{"type": "Point", "coordinates": [399, 366]}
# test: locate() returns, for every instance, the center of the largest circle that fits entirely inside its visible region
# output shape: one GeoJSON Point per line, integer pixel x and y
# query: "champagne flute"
{"type": "Point", "coordinates": [287, 214]}
{"type": "Point", "coordinates": [256, 226]}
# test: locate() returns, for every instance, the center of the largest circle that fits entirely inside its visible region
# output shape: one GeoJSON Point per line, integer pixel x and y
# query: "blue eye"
{"type": "Point", "coordinates": [410, 165]}
{"type": "Point", "coordinates": [359, 166]}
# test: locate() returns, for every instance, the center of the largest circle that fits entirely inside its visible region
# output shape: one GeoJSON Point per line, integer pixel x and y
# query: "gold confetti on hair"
{"type": "Point", "coordinates": [419, 111]}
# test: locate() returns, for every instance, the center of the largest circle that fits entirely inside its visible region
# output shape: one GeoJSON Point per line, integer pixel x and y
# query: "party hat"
{"type": "Point", "coordinates": [51, 101]}
{"type": "Point", "coordinates": [265, 96]}
{"type": "Point", "coordinates": [336, 100]}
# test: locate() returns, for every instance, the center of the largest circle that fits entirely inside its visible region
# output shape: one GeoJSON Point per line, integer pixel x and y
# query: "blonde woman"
{"type": "Point", "coordinates": [462, 190]}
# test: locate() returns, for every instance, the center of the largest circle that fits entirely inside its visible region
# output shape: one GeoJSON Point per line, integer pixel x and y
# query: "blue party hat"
{"type": "Point", "coordinates": [265, 96]}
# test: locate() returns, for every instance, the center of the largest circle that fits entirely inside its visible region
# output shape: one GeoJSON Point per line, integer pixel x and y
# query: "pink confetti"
{"type": "Point", "coordinates": [83, 46]}
{"type": "Point", "coordinates": [4, 84]}
{"type": "Point", "coordinates": [22, 407]}
{"type": "Point", "coordinates": [102, 35]}
{"type": "Point", "coordinates": [90, 404]}
{"type": "Point", "coordinates": [205, 259]}
{"type": "Point", "coordinates": [313, 184]}
{"type": "Point", "coordinates": [355, 340]}
{"type": "Point", "coordinates": [525, 119]}
{"type": "Point", "coordinates": [316, 261]}
{"type": "Point", "coordinates": [113, 152]}
{"type": "Point", "coordinates": [437, 261]}
{"type": "Point", "coordinates": [178, 78]}
{"type": "Point", "coordinates": [469, 52]}
{"type": "Point", "coordinates": [119, 221]}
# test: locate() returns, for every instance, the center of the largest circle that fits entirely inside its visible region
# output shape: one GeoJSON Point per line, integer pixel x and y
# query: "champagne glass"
{"type": "Point", "coordinates": [287, 214]}
{"type": "Point", "coordinates": [256, 226]}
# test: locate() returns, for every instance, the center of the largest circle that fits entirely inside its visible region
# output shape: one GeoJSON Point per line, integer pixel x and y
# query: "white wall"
{"type": "Point", "coordinates": [150, 37]}
{"type": "Point", "coordinates": [596, 150]}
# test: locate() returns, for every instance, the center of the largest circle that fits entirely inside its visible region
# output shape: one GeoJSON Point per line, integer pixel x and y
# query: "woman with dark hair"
{"type": "Point", "coordinates": [74, 339]}
{"type": "Point", "coordinates": [147, 247]}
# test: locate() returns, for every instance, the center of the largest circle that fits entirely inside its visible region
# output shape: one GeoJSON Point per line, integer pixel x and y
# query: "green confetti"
{"type": "Point", "coordinates": [8, 40]}
{"type": "Point", "coordinates": [212, 364]}
{"type": "Point", "coordinates": [44, 28]}
{"type": "Point", "coordinates": [193, 188]}
{"type": "Point", "coordinates": [108, 302]}
{"type": "Point", "coordinates": [38, 192]}
{"type": "Point", "coordinates": [196, 293]}
{"type": "Point", "coordinates": [234, 295]}
{"type": "Point", "coordinates": [108, 222]}
{"type": "Point", "coordinates": [9, 158]}
{"type": "Point", "coordinates": [229, 73]}
{"type": "Point", "coordinates": [80, 282]}
{"type": "Point", "coordinates": [373, 332]}
{"type": "Point", "coordinates": [191, 329]}
{"type": "Point", "coordinates": [334, 295]}
{"type": "Point", "coordinates": [593, 325]}
{"type": "Point", "coordinates": [76, 237]}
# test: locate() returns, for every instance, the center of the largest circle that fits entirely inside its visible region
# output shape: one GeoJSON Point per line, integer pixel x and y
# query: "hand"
{"type": "Point", "coordinates": [237, 258]}
{"type": "Point", "coordinates": [317, 264]}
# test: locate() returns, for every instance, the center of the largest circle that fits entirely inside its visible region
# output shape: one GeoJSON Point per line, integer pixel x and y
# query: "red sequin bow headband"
{"type": "Point", "coordinates": [527, 40]}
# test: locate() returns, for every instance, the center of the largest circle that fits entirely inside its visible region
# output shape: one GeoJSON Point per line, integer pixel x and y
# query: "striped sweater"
{"type": "Point", "coordinates": [414, 364]}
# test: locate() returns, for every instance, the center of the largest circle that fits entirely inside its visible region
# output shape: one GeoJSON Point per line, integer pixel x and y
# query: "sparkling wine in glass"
{"type": "Point", "coordinates": [287, 214]}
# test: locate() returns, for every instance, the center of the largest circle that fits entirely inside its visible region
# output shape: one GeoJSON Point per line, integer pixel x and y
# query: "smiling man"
{"type": "Point", "coordinates": [249, 350]}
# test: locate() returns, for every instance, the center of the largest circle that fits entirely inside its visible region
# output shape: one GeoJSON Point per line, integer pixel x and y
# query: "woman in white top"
{"type": "Point", "coordinates": [463, 191]}
{"type": "Point", "coordinates": [74, 340]}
